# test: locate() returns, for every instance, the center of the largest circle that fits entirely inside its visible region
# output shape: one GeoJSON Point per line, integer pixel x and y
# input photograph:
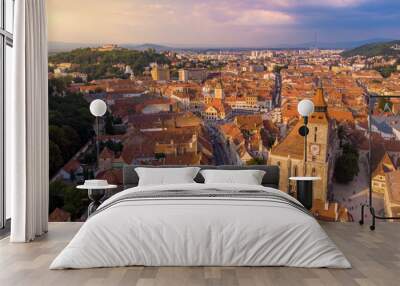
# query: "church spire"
{"type": "Point", "coordinates": [319, 99]}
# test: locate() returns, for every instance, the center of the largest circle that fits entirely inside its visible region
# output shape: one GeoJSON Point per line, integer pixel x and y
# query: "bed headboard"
{"type": "Point", "coordinates": [271, 177]}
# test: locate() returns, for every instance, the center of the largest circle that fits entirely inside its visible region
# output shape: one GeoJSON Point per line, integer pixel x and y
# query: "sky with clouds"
{"type": "Point", "coordinates": [221, 23]}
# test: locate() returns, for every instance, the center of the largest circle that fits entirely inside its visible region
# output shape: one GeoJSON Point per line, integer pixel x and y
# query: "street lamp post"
{"type": "Point", "coordinates": [304, 185]}
{"type": "Point", "coordinates": [305, 108]}
{"type": "Point", "coordinates": [98, 108]}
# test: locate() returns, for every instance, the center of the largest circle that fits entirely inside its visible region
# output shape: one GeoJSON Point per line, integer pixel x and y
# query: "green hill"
{"type": "Point", "coordinates": [375, 49]}
{"type": "Point", "coordinates": [98, 64]}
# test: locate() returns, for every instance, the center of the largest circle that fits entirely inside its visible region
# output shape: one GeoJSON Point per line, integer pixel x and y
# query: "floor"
{"type": "Point", "coordinates": [375, 257]}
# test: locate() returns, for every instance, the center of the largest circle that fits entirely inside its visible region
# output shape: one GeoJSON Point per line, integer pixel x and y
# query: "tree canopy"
{"type": "Point", "coordinates": [373, 49]}
{"type": "Point", "coordinates": [68, 198]}
{"type": "Point", "coordinates": [70, 126]}
{"type": "Point", "coordinates": [346, 167]}
{"type": "Point", "coordinates": [102, 64]}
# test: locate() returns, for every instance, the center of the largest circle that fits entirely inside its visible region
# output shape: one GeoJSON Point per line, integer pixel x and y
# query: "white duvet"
{"type": "Point", "coordinates": [202, 232]}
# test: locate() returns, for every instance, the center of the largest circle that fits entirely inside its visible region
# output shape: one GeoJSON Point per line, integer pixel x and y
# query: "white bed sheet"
{"type": "Point", "coordinates": [200, 232]}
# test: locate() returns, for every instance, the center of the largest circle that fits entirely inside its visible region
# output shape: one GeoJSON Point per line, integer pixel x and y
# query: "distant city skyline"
{"type": "Point", "coordinates": [222, 23]}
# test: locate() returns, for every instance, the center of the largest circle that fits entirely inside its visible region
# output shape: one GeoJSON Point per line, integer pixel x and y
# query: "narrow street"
{"type": "Point", "coordinates": [276, 98]}
{"type": "Point", "coordinates": [222, 154]}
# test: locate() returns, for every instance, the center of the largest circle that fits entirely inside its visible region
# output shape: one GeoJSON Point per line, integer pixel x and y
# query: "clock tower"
{"type": "Point", "coordinates": [322, 146]}
{"type": "Point", "coordinates": [318, 126]}
{"type": "Point", "coordinates": [218, 91]}
{"type": "Point", "coordinates": [318, 144]}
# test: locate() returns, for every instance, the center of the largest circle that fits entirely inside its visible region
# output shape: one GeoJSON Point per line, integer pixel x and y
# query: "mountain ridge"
{"type": "Point", "coordinates": [55, 47]}
{"type": "Point", "coordinates": [375, 49]}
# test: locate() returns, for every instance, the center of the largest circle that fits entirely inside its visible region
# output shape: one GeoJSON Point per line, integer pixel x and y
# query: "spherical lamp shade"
{"type": "Point", "coordinates": [305, 107]}
{"type": "Point", "coordinates": [98, 107]}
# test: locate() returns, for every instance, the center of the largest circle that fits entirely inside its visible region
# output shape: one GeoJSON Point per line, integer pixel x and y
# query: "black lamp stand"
{"type": "Point", "coordinates": [304, 187]}
{"type": "Point", "coordinates": [371, 102]}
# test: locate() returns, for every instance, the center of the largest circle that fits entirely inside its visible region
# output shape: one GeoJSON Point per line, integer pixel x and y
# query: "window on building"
{"type": "Point", "coordinates": [315, 134]}
{"type": "Point", "coordinates": [6, 44]}
{"type": "Point", "coordinates": [295, 171]}
{"type": "Point", "coordinates": [313, 172]}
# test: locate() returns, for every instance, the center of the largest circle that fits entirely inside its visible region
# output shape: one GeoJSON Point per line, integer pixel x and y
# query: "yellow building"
{"type": "Point", "coordinates": [216, 110]}
{"type": "Point", "coordinates": [392, 194]}
{"type": "Point", "coordinates": [218, 91]}
{"type": "Point", "coordinates": [378, 175]}
{"type": "Point", "coordinates": [322, 144]}
{"type": "Point", "coordinates": [251, 101]}
{"type": "Point", "coordinates": [160, 73]}
{"type": "Point", "coordinates": [197, 74]}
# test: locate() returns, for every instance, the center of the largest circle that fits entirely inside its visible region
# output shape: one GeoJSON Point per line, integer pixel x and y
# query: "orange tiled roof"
{"type": "Point", "coordinates": [340, 115]}
{"type": "Point", "coordinates": [189, 158]}
{"type": "Point", "coordinates": [59, 215]}
{"type": "Point", "coordinates": [384, 166]}
{"type": "Point", "coordinates": [72, 166]}
{"type": "Point", "coordinates": [232, 131]}
{"type": "Point", "coordinates": [292, 145]}
{"type": "Point", "coordinates": [319, 99]}
{"type": "Point", "coordinates": [253, 121]}
{"type": "Point", "coordinates": [113, 176]}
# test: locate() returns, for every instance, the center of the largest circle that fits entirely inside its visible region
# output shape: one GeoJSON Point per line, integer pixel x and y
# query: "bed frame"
{"type": "Point", "coordinates": [270, 179]}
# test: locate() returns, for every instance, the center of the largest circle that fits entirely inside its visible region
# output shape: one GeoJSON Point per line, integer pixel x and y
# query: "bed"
{"type": "Point", "coordinates": [198, 224]}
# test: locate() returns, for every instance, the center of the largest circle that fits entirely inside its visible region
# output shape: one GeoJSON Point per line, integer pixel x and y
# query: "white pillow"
{"type": "Point", "coordinates": [248, 177]}
{"type": "Point", "coordinates": [166, 176]}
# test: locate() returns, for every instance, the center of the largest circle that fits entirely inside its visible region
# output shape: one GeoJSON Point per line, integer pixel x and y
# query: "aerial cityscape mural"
{"type": "Point", "coordinates": [218, 82]}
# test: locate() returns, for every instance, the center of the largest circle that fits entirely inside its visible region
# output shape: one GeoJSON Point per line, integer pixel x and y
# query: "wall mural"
{"type": "Point", "coordinates": [199, 96]}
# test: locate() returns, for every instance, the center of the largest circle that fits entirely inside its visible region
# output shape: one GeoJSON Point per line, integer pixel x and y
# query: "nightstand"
{"type": "Point", "coordinates": [305, 190]}
{"type": "Point", "coordinates": [96, 190]}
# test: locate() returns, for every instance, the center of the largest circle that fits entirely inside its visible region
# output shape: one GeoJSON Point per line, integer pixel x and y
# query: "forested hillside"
{"type": "Point", "coordinates": [375, 49]}
{"type": "Point", "coordinates": [70, 125]}
{"type": "Point", "coordinates": [100, 64]}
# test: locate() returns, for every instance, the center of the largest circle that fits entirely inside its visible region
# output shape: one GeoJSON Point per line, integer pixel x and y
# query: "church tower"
{"type": "Point", "coordinates": [318, 144]}
{"type": "Point", "coordinates": [318, 126]}
{"type": "Point", "coordinates": [218, 91]}
{"type": "Point", "coordinates": [288, 154]}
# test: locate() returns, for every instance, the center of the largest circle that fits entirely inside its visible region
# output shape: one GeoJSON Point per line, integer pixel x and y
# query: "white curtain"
{"type": "Point", "coordinates": [27, 124]}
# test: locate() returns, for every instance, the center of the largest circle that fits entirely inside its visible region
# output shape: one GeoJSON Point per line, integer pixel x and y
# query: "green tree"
{"type": "Point", "coordinates": [341, 132]}
{"type": "Point", "coordinates": [114, 146]}
{"type": "Point", "coordinates": [387, 70]}
{"type": "Point", "coordinates": [117, 120]}
{"type": "Point", "coordinates": [346, 166]}
{"type": "Point", "coordinates": [71, 112]}
{"type": "Point", "coordinates": [109, 124]}
{"type": "Point", "coordinates": [68, 198]}
{"type": "Point", "coordinates": [57, 86]}
{"type": "Point", "coordinates": [55, 158]}
{"type": "Point", "coordinates": [75, 201]}
{"type": "Point", "coordinates": [58, 136]}
{"type": "Point", "coordinates": [56, 195]}
{"type": "Point", "coordinates": [256, 161]}
{"type": "Point", "coordinates": [73, 137]}
{"type": "Point", "coordinates": [97, 64]}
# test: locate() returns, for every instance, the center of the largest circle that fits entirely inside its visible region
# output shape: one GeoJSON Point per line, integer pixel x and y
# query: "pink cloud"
{"type": "Point", "coordinates": [264, 17]}
{"type": "Point", "coordinates": [317, 3]}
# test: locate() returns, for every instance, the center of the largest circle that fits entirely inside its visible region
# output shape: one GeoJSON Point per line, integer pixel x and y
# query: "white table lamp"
{"type": "Point", "coordinates": [305, 109]}
{"type": "Point", "coordinates": [97, 108]}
